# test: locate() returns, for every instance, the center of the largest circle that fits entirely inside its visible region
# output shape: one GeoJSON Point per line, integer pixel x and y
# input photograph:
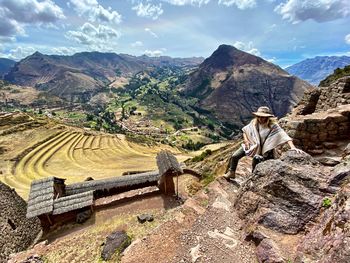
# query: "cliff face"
{"type": "Point", "coordinates": [232, 84]}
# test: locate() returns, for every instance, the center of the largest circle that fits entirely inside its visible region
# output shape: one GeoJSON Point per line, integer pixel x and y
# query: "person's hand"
{"type": "Point", "coordinates": [247, 145]}
{"type": "Point", "coordinates": [298, 150]}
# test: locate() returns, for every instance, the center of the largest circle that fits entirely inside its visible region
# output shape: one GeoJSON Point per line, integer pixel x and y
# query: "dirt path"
{"type": "Point", "coordinates": [205, 229]}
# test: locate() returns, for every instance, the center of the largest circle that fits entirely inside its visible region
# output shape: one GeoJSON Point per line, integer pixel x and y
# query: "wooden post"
{"type": "Point", "coordinates": [48, 218]}
{"type": "Point", "coordinates": [166, 184]}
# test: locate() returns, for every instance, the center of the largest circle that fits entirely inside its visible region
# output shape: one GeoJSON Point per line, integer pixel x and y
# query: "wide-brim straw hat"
{"type": "Point", "coordinates": [263, 112]}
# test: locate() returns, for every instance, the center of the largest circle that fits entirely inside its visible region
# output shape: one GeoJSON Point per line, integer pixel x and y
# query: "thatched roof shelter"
{"type": "Point", "coordinates": [114, 183]}
{"type": "Point", "coordinates": [41, 196]}
{"type": "Point", "coordinates": [167, 162]}
{"type": "Point", "coordinates": [73, 202]}
{"type": "Point", "coordinates": [168, 168]}
{"type": "Point", "coordinates": [50, 196]}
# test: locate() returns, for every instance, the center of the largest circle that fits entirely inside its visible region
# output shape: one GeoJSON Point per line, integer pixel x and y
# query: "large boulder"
{"type": "Point", "coordinates": [284, 194]}
{"type": "Point", "coordinates": [115, 243]}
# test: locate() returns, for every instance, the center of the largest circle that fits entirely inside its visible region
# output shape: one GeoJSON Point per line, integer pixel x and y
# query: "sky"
{"type": "Point", "coordinates": [283, 32]}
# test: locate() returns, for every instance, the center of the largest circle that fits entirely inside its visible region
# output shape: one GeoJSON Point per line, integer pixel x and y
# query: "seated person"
{"type": "Point", "coordinates": [261, 136]}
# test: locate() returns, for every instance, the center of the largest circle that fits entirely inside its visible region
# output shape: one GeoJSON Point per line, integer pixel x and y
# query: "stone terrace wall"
{"type": "Point", "coordinates": [324, 98]}
{"type": "Point", "coordinates": [338, 93]}
{"type": "Point", "coordinates": [17, 232]}
{"type": "Point", "coordinates": [315, 130]}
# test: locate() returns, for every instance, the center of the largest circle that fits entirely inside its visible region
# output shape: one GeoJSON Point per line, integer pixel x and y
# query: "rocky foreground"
{"type": "Point", "coordinates": [293, 209]}
{"type": "Point", "coordinates": [289, 210]}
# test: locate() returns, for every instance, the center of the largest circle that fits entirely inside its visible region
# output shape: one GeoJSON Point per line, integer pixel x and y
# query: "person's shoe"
{"type": "Point", "coordinates": [229, 175]}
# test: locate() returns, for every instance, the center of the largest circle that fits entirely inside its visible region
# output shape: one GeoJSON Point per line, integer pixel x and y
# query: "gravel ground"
{"type": "Point", "coordinates": [204, 229]}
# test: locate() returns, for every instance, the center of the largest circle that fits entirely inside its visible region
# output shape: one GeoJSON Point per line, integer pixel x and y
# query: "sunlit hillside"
{"type": "Point", "coordinates": [70, 153]}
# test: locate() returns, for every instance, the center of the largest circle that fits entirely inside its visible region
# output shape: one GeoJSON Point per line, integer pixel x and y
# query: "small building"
{"type": "Point", "coordinates": [54, 202]}
{"type": "Point", "coordinates": [48, 201]}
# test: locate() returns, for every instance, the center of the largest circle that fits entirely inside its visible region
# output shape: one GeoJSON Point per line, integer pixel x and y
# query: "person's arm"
{"type": "Point", "coordinates": [246, 141]}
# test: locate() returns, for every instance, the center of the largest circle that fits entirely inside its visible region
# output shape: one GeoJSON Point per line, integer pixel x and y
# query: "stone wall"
{"type": "Point", "coordinates": [338, 93]}
{"type": "Point", "coordinates": [16, 231]}
{"type": "Point", "coordinates": [313, 131]}
{"type": "Point", "coordinates": [322, 116]}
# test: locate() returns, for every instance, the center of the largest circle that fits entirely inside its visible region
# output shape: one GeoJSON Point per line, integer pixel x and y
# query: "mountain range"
{"type": "Point", "coordinates": [314, 70]}
{"type": "Point", "coordinates": [229, 85]}
{"type": "Point", "coordinates": [80, 76]}
{"type": "Point", "coordinates": [232, 84]}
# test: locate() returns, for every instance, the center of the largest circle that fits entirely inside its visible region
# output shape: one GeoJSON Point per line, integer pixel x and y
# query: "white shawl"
{"type": "Point", "coordinates": [276, 137]}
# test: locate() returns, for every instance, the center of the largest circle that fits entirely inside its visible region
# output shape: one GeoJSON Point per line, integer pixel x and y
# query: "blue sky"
{"type": "Point", "coordinates": [283, 32]}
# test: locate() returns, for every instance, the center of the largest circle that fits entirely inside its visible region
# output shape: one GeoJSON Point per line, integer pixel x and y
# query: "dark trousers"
{"type": "Point", "coordinates": [237, 155]}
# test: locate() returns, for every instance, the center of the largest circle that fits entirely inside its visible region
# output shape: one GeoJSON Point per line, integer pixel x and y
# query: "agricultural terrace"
{"type": "Point", "coordinates": [75, 156]}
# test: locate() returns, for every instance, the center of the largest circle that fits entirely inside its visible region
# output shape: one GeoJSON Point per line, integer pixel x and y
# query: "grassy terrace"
{"type": "Point", "coordinates": [75, 156]}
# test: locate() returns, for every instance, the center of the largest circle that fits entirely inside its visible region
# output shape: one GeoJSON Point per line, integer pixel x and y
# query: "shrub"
{"type": "Point", "coordinates": [201, 157]}
{"type": "Point", "coordinates": [326, 203]}
{"type": "Point", "coordinates": [207, 178]}
{"type": "Point", "coordinates": [338, 73]}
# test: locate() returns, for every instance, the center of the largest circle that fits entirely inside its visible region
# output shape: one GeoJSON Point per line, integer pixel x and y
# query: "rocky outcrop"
{"type": "Point", "coordinates": [290, 201]}
{"type": "Point", "coordinates": [328, 241]}
{"type": "Point", "coordinates": [283, 195]}
{"type": "Point", "coordinates": [16, 231]}
{"type": "Point", "coordinates": [232, 83]}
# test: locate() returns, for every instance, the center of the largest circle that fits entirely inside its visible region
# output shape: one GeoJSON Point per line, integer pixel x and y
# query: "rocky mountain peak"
{"type": "Point", "coordinates": [228, 56]}
{"type": "Point", "coordinates": [36, 54]}
{"type": "Point", "coordinates": [232, 83]}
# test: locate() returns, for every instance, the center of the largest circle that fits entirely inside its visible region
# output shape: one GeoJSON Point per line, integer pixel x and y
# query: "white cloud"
{"type": "Point", "coordinates": [19, 52]}
{"type": "Point", "coordinates": [63, 51]}
{"type": "Point", "coordinates": [32, 11]}
{"type": "Point", "coordinates": [347, 39]}
{"type": "Point", "coordinates": [148, 10]}
{"type": "Point", "coordinates": [25, 50]}
{"type": "Point", "coordinates": [151, 32]}
{"type": "Point", "coordinates": [15, 15]}
{"type": "Point", "coordinates": [96, 38]}
{"type": "Point", "coordinates": [153, 53]}
{"type": "Point", "coordinates": [241, 4]}
{"type": "Point", "coordinates": [187, 2]}
{"type": "Point", "coordinates": [297, 11]}
{"type": "Point", "coordinates": [247, 47]}
{"type": "Point", "coordinates": [272, 60]}
{"type": "Point", "coordinates": [94, 12]}
{"type": "Point", "coordinates": [137, 44]}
